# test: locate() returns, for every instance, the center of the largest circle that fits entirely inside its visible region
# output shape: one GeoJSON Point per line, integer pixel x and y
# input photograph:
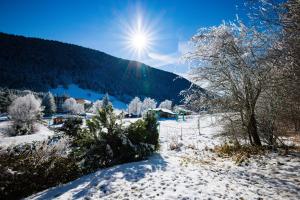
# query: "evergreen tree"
{"type": "Point", "coordinates": [105, 101]}
{"type": "Point", "coordinates": [49, 104]}
{"type": "Point", "coordinates": [6, 98]}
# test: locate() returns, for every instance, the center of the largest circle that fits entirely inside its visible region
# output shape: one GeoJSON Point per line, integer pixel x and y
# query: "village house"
{"type": "Point", "coordinates": [163, 113]}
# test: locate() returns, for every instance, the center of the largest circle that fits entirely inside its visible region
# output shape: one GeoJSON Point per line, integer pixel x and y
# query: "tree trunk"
{"type": "Point", "coordinates": [297, 125]}
{"type": "Point", "coordinates": [252, 130]}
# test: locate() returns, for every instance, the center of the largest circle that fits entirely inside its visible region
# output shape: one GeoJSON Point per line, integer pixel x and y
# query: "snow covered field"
{"type": "Point", "coordinates": [191, 172]}
{"type": "Point", "coordinates": [42, 134]}
{"type": "Point", "coordinates": [77, 92]}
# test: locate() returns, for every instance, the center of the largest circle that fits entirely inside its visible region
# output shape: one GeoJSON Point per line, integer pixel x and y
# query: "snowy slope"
{"type": "Point", "coordinates": [191, 172]}
{"type": "Point", "coordinates": [77, 92]}
{"type": "Point", "coordinates": [191, 77]}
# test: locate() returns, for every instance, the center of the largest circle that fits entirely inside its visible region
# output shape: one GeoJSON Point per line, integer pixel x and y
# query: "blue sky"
{"type": "Point", "coordinates": [105, 25]}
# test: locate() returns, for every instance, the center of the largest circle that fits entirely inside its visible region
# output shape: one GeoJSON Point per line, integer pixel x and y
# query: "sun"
{"type": "Point", "coordinates": [139, 36]}
{"type": "Point", "coordinates": [139, 41]}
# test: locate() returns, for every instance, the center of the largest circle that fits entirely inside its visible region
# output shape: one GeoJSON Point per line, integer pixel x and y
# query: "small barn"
{"type": "Point", "coordinates": [163, 113]}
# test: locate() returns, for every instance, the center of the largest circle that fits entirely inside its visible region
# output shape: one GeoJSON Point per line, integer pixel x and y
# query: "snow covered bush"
{"type": "Point", "coordinates": [100, 142]}
{"type": "Point", "coordinates": [106, 142]}
{"type": "Point", "coordinates": [28, 169]}
{"type": "Point", "coordinates": [70, 105]}
{"type": "Point", "coordinates": [148, 103]}
{"type": "Point", "coordinates": [25, 111]}
{"type": "Point", "coordinates": [166, 104]}
{"type": "Point", "coordinates": [135, 106]}
{"type": "Point", "coordinates": [175, 144]}
{"type": "Point", "coordinates": [49, 104]}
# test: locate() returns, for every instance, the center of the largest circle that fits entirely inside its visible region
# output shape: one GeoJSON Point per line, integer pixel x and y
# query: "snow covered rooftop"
{"type": "Point", "coordinates": [163, 110]}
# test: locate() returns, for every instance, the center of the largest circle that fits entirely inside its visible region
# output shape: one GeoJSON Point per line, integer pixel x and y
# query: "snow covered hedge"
{"type": "Point", "coordinates": [27, 169]}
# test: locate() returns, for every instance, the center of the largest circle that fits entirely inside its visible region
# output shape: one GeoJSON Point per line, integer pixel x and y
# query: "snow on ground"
{"type": "Point", "coordinates": [77, 92]}
{"type": "Point", "coordinates": [42, 134]}
{"type": "Point", "coordinates": [192, 172]}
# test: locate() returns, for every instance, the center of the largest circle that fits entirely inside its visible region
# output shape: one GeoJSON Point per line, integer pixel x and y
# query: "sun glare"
{"type": "Point", "coordinates": [139, 41]}
{"type": "Point", "coordinates": [139, 36]}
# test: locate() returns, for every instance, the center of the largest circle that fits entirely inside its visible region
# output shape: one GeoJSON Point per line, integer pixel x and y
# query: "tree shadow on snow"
{"type": "Point", "coordinates": [102, 179]}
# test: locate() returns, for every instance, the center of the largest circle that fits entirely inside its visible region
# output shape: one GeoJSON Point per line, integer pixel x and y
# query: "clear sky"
{"type": "Point", "coordinates": [111, 26]}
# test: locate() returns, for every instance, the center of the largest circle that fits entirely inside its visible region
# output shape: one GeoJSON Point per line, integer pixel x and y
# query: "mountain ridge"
{"type": "Point", "coordinates": [41, 64]}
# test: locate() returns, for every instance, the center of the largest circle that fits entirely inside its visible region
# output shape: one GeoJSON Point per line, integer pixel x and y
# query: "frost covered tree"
{"type": "Point", "coordinates": [166, 104]}
{"type": "Point", "coordinates": [233, 59]}
{"type": "Point", "coordinates": [135, 106]}
{"type": "Point", "coordinates": [148, 103]}
{"type": "Point", "coordinates": [49, 104]}
{"type": "Point", "coordinates": [70, 105]}
{"type": "Point", "coordinates": [96, 106]}
{"type": "Point", "coordinates": [279, 106]}
{"type": "Point", "coordinates": [24, 111]}
{"type": "Point", "coordinates": [79, 109]}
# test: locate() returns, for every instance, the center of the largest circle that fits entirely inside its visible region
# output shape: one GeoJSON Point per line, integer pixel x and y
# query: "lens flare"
{"type": "Point", "coordinates": [139, 41]}
{"type": "Point", "coordinates": [139, 35]}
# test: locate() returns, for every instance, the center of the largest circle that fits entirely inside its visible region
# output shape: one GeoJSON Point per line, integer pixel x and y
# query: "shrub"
{"type": "Point", "coordinates": [239, 153]}
{"type": "Point", "coordinates": [29, 169]}
{"type": "Point", "coordinates": [151, 127]}
{"type": "Point", "coordinates": [137, 132]}
{"type": "Point", "coordinates": [144, 131]}
{"type": "Point", "coordinates": [106, 142]}
{"type": "Point", "coordinates": [72, 126]}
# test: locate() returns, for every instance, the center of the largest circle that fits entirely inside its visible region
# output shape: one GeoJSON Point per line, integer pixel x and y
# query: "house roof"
{"type": "Point", "coordinates": [82, 101]}
{"type": "Point", "coordinates": [163, 110]}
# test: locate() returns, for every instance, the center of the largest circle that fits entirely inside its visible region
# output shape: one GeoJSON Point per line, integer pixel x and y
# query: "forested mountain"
{"type": "Point", "coordinates": [38, 64]}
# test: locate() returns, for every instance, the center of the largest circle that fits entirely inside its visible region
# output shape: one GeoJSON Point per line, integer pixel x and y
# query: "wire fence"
{"type": "Point", "coordinates": [183, 128]}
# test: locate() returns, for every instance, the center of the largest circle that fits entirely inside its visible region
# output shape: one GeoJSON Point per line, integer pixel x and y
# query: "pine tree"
{"type": "Point", "coordinates": [6, 98]}
{"type": "Point", "coordinates": [105, 101]}
{"type": "Point", "coordinates": [49, 104]}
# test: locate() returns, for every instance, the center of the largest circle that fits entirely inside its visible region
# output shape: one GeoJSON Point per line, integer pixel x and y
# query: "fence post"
{"type": "Point", "coordinates": [199, 125]}
{"type": "Point", "coordinates": [181, 132]}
